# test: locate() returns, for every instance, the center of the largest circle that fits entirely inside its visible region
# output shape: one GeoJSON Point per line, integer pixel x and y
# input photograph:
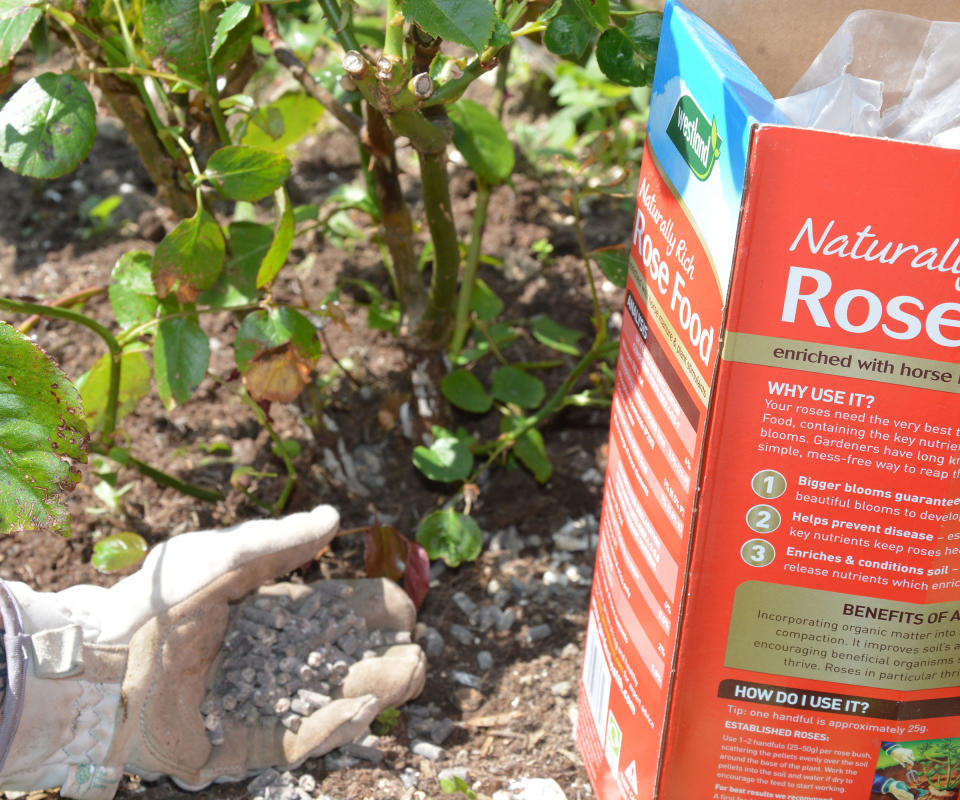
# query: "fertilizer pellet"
{"type": "Point", "coordinates": [283, 659]}
{"type": "Point", "coordinates": [349, 644]}
{"type": "Point", "coordinates": [301, 707]}
{"type": "Point", "coordinates": [313, 699]}
{"type": "Point", "coordinates": [311, 605]}
{"type": "Point", "coordinates": [215, 735]}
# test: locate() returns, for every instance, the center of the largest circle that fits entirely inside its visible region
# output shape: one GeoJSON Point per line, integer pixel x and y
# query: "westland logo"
{"type": "Point", "coordinates": [695, 137]}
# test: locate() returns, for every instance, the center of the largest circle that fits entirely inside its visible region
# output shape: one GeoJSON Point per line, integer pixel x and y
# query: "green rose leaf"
{"type": "Point", "coordinates": [596, 12]}
{"type": "Point", "coordinates": [613, 264]}
{"type": "Point", "coordinates": [529, 449]}
{"type": "Point", "coordinates": [181, 355]}
{"type": "Point", "coordinates": [189, 258]}
{"type": "Point", "coordinates": [42, 434]}
{"type": "Point", "coordinates": [383, 314]}
{"type": "Point", "coordinates": [237, 283]}
{"type": "Point", "coordinates": [229, 19]}
{"type": "Point", "coordinates": [500, 334]}
{"type": "Point", "coordinates": [173, 32]}
{"type": "Point", "coordinates": [276, 351]}
{"type": "Point", "coordinates": [262, 331]}
{"type": "Point", "coordinates": [119, 551]}
{"type": "Point", "coordinates": [235, 44]}
{"type": "Point", "coordinates": [132, 293]}
{"type": "Point", "coordinates": [481, 139]}
{"type": "Point", "coordinates": [627, 55]}
{"type": "Point", "coordinates": [450, 535]}
{"type": "Point", "coordinates": [282, 123]}
{"type": "Point", "coordinates": [513, 385]}
{"type": "Point", "coordinates": [242, 172]}
{"type": "Point", "coordinates": [447, 459]}
{"type": "Point", "coordinates": [501, 35]}
{"type": "Point", "coordinates": [466, 22]}
{"type": "Point", "coordinates": [290, 448]}
{"type": "Point", "coordinates": [16, 23]}
{"type": "Point", "coordinates": [464, 390]}
{"type": "Point", "coordinates": [532, 452]}
{"type": "Point", "coordinates": [94, 385]}
{"type": "Point", "coordinates": [308, 212]}
{"type": "Point", "coordinates": [283, 234]}
{"type": "Point", "coordinates": [557, 336]}
{"type": "Point", "coordinates": [643, 30]}
{"type": "Point", "coordinates": [568, 35]}
{"type": "Point", "coordinates": [40, 41]}
{"type": "Point", "coordinates": [485, 303]}
{"type": "Point", "coordinates": [47, 127]}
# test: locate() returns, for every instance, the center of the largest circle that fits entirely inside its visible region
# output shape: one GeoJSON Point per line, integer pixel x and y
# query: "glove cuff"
{"type": "Point", "coordinates": [14, 644]}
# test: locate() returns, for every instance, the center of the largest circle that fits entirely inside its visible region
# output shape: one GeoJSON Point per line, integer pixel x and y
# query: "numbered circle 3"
{"type": "Point", "coordinates": [757, 552]}
{"type": "Point", "coordinates": [763, 519]}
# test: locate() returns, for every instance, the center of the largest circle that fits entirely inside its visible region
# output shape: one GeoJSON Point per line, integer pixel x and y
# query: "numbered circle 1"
{"type": "Point", "coordinates": [768, 483]}
{"type": "Point", "coordinates": [763, 519]}
{"type": "Point", "coordinates": [757, 552]}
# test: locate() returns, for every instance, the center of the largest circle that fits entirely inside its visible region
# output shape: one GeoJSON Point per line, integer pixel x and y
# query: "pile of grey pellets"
{"type": "Point", "coordinates": [285, 658]}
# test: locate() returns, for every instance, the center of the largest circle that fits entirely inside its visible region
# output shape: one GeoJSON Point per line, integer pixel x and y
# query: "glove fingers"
{"type": "Point", "coordinates": [394, 676]}
{"type": "Point", "coordinates": [270, 744]}
{"type": "Point", "coordinates": [230, 563]}
{"type": "Point", "coordinates": [382, 603]}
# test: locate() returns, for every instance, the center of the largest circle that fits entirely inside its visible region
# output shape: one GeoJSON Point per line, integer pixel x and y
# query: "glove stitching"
{"type": "Point", "coordinates": [100, 720]}
{"type": "Point", "coordinates": [89, 734]}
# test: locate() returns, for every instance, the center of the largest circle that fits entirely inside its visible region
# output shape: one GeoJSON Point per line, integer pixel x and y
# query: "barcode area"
{"type": "Point", "coordinates": [596, 679]}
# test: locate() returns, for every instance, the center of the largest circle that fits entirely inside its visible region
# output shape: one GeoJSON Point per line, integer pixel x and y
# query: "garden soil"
{"type": "Point", "coordinates": [517, 719]}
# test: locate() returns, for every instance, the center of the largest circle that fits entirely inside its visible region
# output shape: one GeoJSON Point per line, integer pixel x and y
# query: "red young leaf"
{"type": "Point", "coordinates": [416, 577]}
{"type": "Point", "coordinates": [383, 548]}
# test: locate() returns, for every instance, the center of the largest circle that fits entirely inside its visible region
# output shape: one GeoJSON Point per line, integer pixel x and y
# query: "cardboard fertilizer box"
{"type": "Point", "coordinates": [776, 602]}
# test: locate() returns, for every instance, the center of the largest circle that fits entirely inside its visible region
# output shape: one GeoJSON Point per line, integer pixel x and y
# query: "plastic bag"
{"type": "Point", "coordinates": [884, 74]}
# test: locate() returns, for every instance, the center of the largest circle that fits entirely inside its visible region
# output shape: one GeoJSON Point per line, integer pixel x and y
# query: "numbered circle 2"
{"type": "Point", "coordinates": [763, 519]}
{"type": "Point", "coordinates": [757, 552]}
{"type": "Point", "coordinates": [768, 483]}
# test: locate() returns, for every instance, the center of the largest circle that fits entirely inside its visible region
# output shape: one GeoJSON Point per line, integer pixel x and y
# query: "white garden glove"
{"type": "Point", "coordinates": [902, 755]}
{"type": "Point", "coordinates": [102, 681]}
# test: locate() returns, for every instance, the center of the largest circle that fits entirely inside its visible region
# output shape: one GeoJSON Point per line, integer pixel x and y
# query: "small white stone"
{"type": "Point", "coordinates": [537, 789]}
{"type": "Point", "coordinates": [427, 750]}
